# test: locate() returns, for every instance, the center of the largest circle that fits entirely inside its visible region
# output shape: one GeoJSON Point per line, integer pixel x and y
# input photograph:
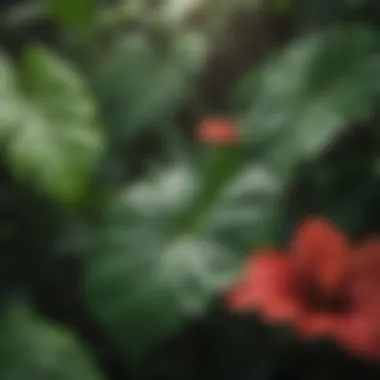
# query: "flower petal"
{"type": "Point", "coordinates": [316, 324]}
{"type": "Point", "coordinates": [368, 254]}
{"type": "Point", "coordinates": [359, 334]}
{"type": "Point", "coordinates": [218, 131]}
{"type": "Point", "coordinates": [267, 284]}
{"type": "Point", "coordinates": [322, 252]}
{"type": "Point", "coordinates": [279, 309]}
{"type": "Point", "coordinates": [365, 275]}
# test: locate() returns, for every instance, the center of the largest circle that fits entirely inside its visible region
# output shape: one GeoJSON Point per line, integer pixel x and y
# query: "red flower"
{"type": "Point", "coordinates": [323, 287]}
{"type": "Point", "coordinates": [218, 131]}
{"type": "Point", "coordinates": [361, 332]}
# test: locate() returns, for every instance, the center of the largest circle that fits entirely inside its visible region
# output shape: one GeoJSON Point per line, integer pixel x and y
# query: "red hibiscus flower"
{"type": "Point", "coordinates": [323, 287]}
{"type": "Point", "coordinates": [218, 131]}
{"type": "Point", "coordinates": [360, 332]}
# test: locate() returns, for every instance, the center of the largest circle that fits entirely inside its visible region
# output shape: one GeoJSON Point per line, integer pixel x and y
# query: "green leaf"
{"type": "Point", "coordinates": [175, 12]}
{"type": "Point", "coordinates": [150, 269]}
{"type": "Point", "coordinates": [309, 93]}
{"type": "Point", "coordinates": [53, 140]}
{"type": "Point", "coordinates": [280, 5]}
{"type": "Point", "coordinates": [33, 349]}
{"type": "Point", "coordinates": [139, 88]}
{"type": "Point", "coordinates": [78, 13]}
{"type": "Point", "coordinates": [9, 97]}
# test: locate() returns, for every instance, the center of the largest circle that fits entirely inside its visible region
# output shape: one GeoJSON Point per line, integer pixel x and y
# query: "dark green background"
{"type": "Point", "coordinates": [119, 231]}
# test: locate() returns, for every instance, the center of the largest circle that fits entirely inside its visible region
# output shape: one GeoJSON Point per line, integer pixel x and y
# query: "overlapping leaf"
{"type": "Point", "coordinates": [48, 125]}
{"type": "Point", "coordinates": [78, 13]}
{"type": "Point", "coordinates": [33, 349]}
{"type": "Point", "coordinates": [306, 95]}
{"type": "Point", "coordinates": [140, 87]}
{"type": "Point", "coordinates": [149, 270]}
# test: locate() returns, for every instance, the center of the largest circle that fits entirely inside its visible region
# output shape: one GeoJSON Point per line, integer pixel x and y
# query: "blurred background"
{"type": "Point", "coordinates": [120, 228]}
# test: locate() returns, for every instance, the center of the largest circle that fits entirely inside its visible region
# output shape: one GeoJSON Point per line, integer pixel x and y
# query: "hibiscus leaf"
{"type": "Point", "coordinates": [78, 13]}
{"type": "Point", "coordinates": [34, 349]}
{"type": "Point", "coordinates": [139, 88]}
{"type": "Point", "coordinates": [9, 97]}
{"type": "Point", "coordinates": [156, 263]}
{"type": "Point", "coordinates": [311, 91]}
{"type": "Point", "coordinates": [52, 140]}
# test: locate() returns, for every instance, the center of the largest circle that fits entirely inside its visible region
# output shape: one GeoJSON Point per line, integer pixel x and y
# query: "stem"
{"type": "Point", "coordinates": [224, 163]}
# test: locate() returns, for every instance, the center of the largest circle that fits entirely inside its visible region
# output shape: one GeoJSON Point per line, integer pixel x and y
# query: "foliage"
{"type": "Point", "coordinates": [120, 231]}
